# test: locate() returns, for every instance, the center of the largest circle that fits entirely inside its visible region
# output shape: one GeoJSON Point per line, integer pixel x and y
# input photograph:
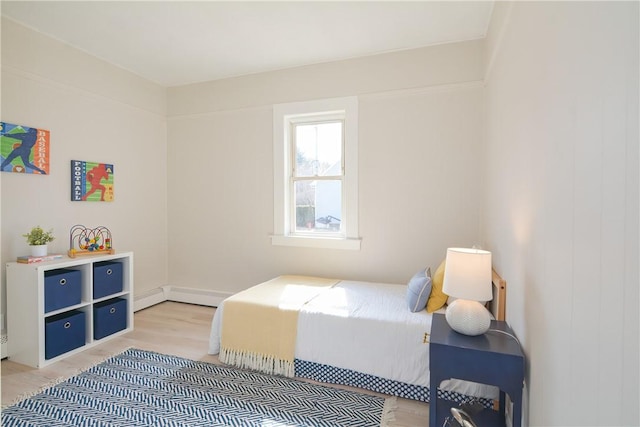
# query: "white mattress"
{"type": "Point", "coordinates": [363, 327]}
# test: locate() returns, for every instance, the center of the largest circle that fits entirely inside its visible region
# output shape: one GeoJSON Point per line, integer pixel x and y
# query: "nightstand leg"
{"type": "Point", "coordinates": [516, 397]}
{"type": "Point", "coordinates": [433, 401]}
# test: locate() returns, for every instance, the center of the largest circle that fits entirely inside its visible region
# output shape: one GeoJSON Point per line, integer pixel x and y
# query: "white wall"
{"type": "Point", "coordinates": [420, 136]}
{"type": "Point", "coordinates": [561, 213]}
{"type": "Point", "coordinates": [95, 112]}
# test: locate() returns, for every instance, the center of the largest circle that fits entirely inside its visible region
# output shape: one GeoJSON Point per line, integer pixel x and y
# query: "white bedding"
{"type": "Point", "coordinates": [368, 328]}
{"type": "Point", "coordinates": [362, 327]}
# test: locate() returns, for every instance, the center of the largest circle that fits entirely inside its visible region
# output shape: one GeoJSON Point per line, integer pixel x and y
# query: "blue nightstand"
{"type": "Point", "coordinates": [493, 358]}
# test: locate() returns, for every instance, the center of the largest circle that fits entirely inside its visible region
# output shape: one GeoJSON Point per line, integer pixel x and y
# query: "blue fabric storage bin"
{"type": "Point", "coordinates": [109, 317]}
{"type": "Point", "coordinates": [64, 332]}
{"type": "Point", "coordinates": [107, 278]}
{"type": "Point", "coordinates": [62, 288]}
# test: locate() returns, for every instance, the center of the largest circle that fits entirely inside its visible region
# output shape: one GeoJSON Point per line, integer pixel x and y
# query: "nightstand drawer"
{"type": "Point", "coordinates": [466, 364]}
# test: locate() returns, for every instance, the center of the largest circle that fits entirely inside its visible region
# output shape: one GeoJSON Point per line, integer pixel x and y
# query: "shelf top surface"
{"type": "Point", "coordinates": [67, 261]}
{"type": "Point", "coordinates": [495, 340]}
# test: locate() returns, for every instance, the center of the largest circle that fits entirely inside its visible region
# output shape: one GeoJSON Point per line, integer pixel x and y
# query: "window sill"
{"type": "Point", "coordinates": [352, 244]}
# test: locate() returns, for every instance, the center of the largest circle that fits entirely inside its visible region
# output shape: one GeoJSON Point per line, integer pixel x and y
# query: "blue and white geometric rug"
{"type": "Point", "coordinates": [142, 388]}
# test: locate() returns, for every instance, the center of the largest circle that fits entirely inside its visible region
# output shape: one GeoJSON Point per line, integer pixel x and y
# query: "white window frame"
{"type": "Point", "coordinates": [285, 114]}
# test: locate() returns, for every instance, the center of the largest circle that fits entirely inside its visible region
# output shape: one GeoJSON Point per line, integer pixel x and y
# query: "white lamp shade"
{"type": "Point", "coordinates": [467, 274]}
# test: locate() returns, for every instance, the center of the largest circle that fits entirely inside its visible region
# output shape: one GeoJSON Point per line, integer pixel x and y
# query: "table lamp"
{"type": "Point", "coordinates": [467, 277]}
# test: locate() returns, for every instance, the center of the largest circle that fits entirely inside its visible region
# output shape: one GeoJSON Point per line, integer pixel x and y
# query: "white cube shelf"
{"type": "Point", "coordinates": [26, 315]}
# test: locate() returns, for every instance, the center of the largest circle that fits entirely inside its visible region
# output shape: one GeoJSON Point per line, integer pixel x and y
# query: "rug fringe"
{"type": "Point", "coordinates": [61, 379]}
{"type": "Point", "coordinates": [257, 362]}
{"type": "Point", "coordinates": [389, 411]}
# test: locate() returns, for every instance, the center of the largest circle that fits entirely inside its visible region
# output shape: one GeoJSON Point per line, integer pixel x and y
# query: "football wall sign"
{"type": "Point", "coordinates": [91, 182]}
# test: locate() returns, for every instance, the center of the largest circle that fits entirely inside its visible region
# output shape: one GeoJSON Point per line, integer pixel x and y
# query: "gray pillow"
{"type": "Point", "coordinates": [418, 290]}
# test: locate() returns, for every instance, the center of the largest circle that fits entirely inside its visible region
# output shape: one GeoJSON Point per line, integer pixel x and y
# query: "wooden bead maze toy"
{"type": "Point", "coordinates": [90, 241]}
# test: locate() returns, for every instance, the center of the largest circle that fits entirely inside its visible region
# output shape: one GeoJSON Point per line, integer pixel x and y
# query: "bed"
{"type": "Point", "coordinates": [359, 334]}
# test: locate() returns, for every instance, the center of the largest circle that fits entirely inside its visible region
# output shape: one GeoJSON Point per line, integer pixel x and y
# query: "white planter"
{"type": "Point", "coordinates": [38, 250]}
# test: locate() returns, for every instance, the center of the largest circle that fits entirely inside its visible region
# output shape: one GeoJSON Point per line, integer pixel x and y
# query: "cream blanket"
{"type": "Point", "coordinates": [259, 325]}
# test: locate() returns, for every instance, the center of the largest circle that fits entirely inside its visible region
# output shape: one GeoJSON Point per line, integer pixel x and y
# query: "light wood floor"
{"type": "Point", "coordinates": [169, 328]}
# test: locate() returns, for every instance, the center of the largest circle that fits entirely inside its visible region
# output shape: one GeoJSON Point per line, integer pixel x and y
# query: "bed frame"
{"type": "Point", "coordinates": [497, 306]}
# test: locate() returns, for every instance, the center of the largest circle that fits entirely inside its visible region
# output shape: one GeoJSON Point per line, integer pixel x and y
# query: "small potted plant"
{"type": "Point", "coordinates": [37, 239]}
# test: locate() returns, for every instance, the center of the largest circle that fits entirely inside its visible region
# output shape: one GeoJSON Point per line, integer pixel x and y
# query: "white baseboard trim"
{"type": "Point", "coordinates": [148, 299]}
{"type": "Point", "coordinates": [195, 296]}
{"type": "Point", "coordinates": [179, 294]}
{"type": "Point", "coordinates": [3, 345]}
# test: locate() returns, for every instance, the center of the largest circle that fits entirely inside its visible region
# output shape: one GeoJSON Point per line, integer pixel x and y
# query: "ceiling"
{"type": "Point", "coordinates": [180, 42]}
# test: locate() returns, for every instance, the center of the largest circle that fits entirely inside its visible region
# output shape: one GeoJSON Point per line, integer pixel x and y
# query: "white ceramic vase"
{"type": "Point", "coordinates": [38, 250]}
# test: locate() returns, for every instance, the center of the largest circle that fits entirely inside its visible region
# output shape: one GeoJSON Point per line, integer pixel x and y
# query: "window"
{"type": "Point", "coordinates": [315, 174]}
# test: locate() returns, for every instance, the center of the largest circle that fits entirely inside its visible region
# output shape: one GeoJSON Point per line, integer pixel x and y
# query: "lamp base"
{"type": "Point", "coordinates": [468, 317]}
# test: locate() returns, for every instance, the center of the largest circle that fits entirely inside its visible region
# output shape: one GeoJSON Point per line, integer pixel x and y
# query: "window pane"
{"type": "Point", "coordinates": [318, 149]}
{"type": "Point", "coordinates": [318, 205]}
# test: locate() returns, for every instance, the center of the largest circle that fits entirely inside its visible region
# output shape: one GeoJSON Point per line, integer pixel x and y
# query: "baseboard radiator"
{"type": "Point", "coordinates": [179, 294]}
